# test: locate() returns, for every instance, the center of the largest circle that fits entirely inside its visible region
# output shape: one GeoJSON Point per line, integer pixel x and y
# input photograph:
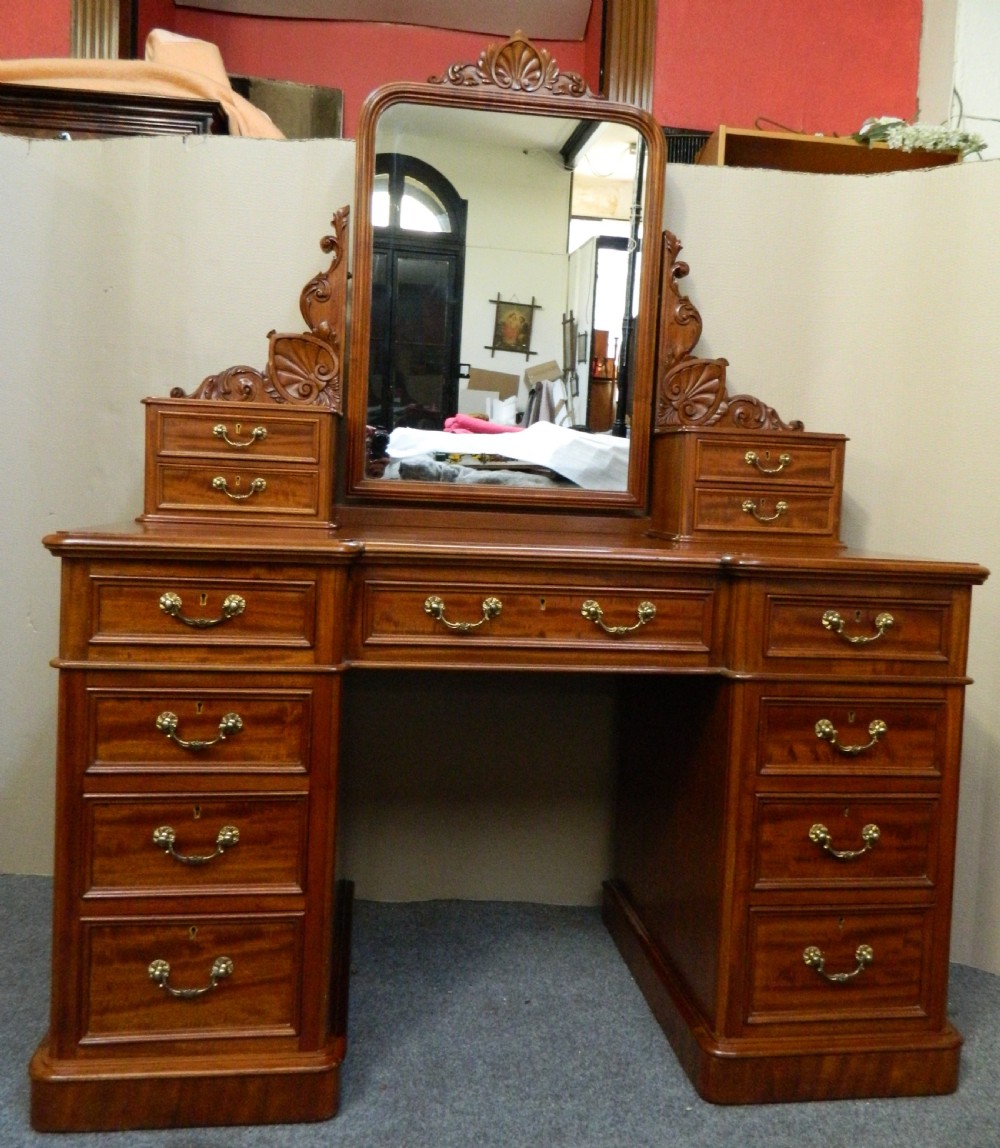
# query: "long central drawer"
{"type": "Point", "coordinates": [431, 619]}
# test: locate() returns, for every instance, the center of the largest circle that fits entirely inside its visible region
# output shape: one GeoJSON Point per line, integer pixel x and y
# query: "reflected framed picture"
{"type": "Point", "coordinates": [512, 326]}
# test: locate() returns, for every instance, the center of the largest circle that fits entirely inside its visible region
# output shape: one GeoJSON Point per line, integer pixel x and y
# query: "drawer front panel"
{"type": "Point", "coordinates": [851, 841]}
{"type": "Point", "coordinates": [178, 616]}
{"type": "Point", "coordinates": [860, 734]}
{"type": "Point", "coordinates": [260, 434]}
{"type": "Point", "coordinates": [780, 463]}
{"type": "Point", "coordinates": [247, 490]}
{"type": "Point", "coordinates": [192, 728]}
{"type": "Point", "coordinates": [538, 619]}
{"type": "Point", "coordinates": [867, 632]}
{"type": "Point", "coordinates": [197, 844]}
{"type": "Point", "coordinates": [793, 955]}
{"type": "Point", "coordinates": [765, 510]}
{"type": "Point", "coordinates": [256, 995]}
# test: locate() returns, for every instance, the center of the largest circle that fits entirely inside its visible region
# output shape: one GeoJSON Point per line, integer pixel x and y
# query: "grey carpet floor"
{"type": "Point", "coordinates": [509, 1025]}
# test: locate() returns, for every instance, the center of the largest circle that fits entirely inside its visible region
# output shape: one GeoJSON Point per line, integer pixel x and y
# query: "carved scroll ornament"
{"type": "Point", "coordinates": [692, 391]}
{"type": "Point", "coordinates": [516, 66]}
{"type": "Point", "coordinates": [304, 369]}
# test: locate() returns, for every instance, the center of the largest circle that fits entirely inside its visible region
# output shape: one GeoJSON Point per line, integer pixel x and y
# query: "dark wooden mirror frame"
{"type": "Point", "coordinates": [513, 77]}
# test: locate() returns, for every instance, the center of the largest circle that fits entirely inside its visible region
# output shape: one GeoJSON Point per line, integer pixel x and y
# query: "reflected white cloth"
{"type": "Point", "coordinates": [593, 461]}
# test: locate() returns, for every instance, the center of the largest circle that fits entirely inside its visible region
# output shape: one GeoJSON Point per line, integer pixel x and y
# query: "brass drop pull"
{"type": "Point", "coordinates": [751, 458]}
{"type": "Point", "coordinates": [826, 731]}
{"type": "Point", "coordinates": [221, 431]}
{"type": "Point", "coordinates": [820, 835]}
{"type": "Point", "coordinates": [257, 486]}
{"type": "Point", "coordinates": [159, 974]}
{"type": "Point", "coordinates": [164, 838]}
{"type": "Point", "coordinates": [435, 607]}
{"type": "Point", "coordinates": [750, 507]}
{"type": "Point", "coordinates": [592, 611]}
{"type": "Point", "coordinates": [229, 724]}
{"type": "Point", "coordinates": [813, 957]}
{"type": "Point", "coordinates": [833, 622]}
{"type": "Point", "coordinates": [232, 606]}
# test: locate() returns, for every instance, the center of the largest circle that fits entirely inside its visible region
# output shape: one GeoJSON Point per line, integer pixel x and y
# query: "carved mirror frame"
{"type": "Point", "coordinates": [513, 77]}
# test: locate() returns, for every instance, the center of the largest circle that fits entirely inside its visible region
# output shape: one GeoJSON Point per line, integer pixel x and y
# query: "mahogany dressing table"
{"type": "Point", "coordinates": [790, 734]}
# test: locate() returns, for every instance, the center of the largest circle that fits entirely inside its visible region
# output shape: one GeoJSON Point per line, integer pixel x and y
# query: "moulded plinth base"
{"type": "Point", "coordinates": [762, 1070]}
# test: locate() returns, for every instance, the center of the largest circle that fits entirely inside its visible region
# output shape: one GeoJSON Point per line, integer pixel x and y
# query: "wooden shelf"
{"type": "Point", "coordinates": [832, 155]}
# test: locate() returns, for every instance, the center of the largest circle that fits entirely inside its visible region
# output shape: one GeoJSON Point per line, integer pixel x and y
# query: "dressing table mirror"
{"type": "Point", "coordinates": [787, 712]}
{"type": "Point", "coordinates": [467, 189]}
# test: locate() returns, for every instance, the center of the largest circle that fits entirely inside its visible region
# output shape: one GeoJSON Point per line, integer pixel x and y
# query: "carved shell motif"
{"type": "Point", "coordinates": [302, 369]}
{"type": "Point", "coordinates": [516, 66]}
{"type": "Point", "coordinates": [692, 391]}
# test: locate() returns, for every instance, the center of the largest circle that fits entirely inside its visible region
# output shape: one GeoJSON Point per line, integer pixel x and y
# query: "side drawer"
{"type": "Point", "coordinates": [200, 429]}
{"type": "Point", "coordinates": [438, 620]}
{"type": "Point", "coordinates": [849, 841]}
{"type": "Point", "coordinates": [781, 460]}
{"type": "Point", "coordinates": [186, 612]}
{"type": "Point", "coordinates": [204, 724]}
{"type": "Point", "coordinates": [832, 967]}
{"type": "Point", "coordinates": [194, 844]}
{"type": "Point", "coordinates": [150, 979]}
{"type": "Point", "coordinates": [856, 628]}
{"type": "Point", "coordinates": [248, 490]}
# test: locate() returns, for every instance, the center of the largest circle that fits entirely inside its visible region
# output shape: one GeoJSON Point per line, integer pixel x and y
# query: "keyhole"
{"type": "Point", "coordinates": [851, 717]}
{"type": "Point", "coordinates": [239, 428]}
{"type": "Point", "coordinates": [541, 603]}
{"type": "Point", "coordinates": [203, 599]}
{"type": "Point", "coordinates": [192, 932]}
{"type": "Point", "coordinates": [857, 615]}
{"type": "Point", "coordinates": [196, 812]}
{"type": "Point", "coordinates": [199, 707]}
{"type": "Point", "coordinates": [847, 812]}
{"type": "Point", "coordinates": [239, 480]}
{"type": "Point", "coordinates": [840, 924]}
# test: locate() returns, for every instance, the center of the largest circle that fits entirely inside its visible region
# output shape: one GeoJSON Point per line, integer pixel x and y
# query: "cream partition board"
{"type": "Point", "coordinates": [861, 305]}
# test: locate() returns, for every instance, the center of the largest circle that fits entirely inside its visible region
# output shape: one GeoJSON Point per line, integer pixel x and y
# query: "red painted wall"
{"type": "Point", "coordinates": [814, 67]}
{"type": "Point", "coordinates": [820, 67]}
{"type": "Point", "coordinates": [34, 28]}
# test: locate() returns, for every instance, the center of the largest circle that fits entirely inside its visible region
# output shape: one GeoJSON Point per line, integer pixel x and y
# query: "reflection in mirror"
{"type": "Point", "coordinates": [499, 243]}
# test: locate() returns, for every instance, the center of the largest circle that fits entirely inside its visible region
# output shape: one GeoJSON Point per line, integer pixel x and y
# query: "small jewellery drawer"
{"type": "Point", "coordinates": [151, 979]}
{"type": "Point", "coordinates": [890, 734]}
{"type": "Point", "coordinates": [258, 431]}
{"type": "Point", "coordinates": [767, 511]}
{"type": "Point", "coordinates": [258, 462]}
{"type": "Point", "coordinates": [206, 725]}
{"type": "Point", "coordinates": [859, 629]}
{"type": "Point", "coordinates": [246, 490]}
{"type": "Point", "coordinates": [852, 841]}
{"type": "Point", "coordinates": [534, 622]}
{"type": "Point", "coordinates": [177, 613]}
{"type": "Point", "coordinates": [819, 966]}
{"type": "Point", "coordinates": [779, 460]}
{"type": "Point", "coordinates": [196, 843]}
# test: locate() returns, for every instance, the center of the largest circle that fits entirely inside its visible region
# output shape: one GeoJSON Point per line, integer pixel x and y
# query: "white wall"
{"type": "Point", "coordinates": [976, 75]}
{"type": "Point", "coordinates": [861, 305]}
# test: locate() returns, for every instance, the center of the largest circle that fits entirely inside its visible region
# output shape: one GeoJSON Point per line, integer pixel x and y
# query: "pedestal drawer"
{"type": "Point", "coordinates": [199, 843]}
{"type": "Point", "coordinates": [848, 841]}
{"type": "Point", "coordinates": [152, 979]}
{"type": "Point", "coordinates": [203, 724]}
{"type": "Point", "coordinates": [830, 966]}
{"type": "Point", "coordinates": [765, 511]}
{"type": "Point", "coordinates": [248, 490]}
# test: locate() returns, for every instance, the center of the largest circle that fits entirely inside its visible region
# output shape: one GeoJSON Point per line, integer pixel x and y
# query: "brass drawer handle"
{"type": "Point", "coordinates": [751, 459]}
{"type": "Point", "coordinates": [435, 607]}
{"type": "Point", "coordinates": [164, 838]}
{"type": "Point", "coordinates": [820, 835]}
{"type": "Point", "coordinates": [229, 724]}
{"type": "Point", "coordinates": [257, 486]}
{"type": "Point", "coordinates": [826, 731]}
{"type": "Point", "coordinates": [750, 507]}
{"type": "Point", "coordinates": [592, 611]}
{"type": "Point", "coordinates": [221, 431]}
{"type": "Point", "coordinates": [833, 622]}
{"type": "Point", "coordinates": [233, 605]}
{"type": "Point", "coordinates": [159, 973]}
{"type": "Point", "coordinates": [813, 957]}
